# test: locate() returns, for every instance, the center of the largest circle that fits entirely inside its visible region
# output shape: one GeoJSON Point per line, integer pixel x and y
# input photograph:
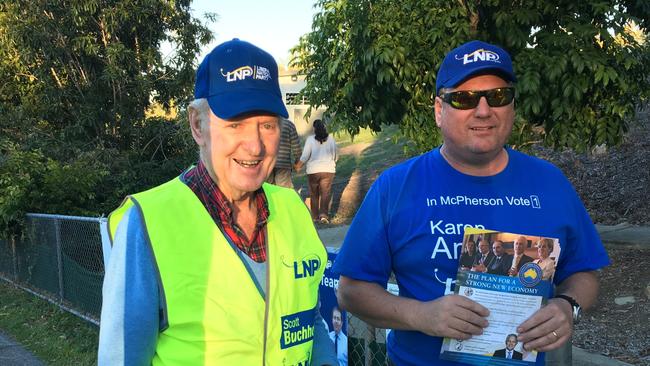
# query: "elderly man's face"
{"type": "Point", "coordinates": [511, 342]}
{"type": "Point", "coordinates": [470, 135]}
{"type": "Point", "coordinates": [520, 245]}
{"type": "Point", "coordinates": [241, 152]}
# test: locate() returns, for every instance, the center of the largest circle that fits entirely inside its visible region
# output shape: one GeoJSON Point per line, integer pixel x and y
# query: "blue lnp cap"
{"type": "Point", "coordinates": [238, 77]}
{"type": "Point", "coordinates": [473, 58]}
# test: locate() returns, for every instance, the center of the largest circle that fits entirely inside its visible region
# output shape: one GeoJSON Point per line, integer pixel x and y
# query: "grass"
{"type": "Point", "coordinates": [375, 157]}
{"type": "Point", "coordinates": [380, 152]}
{"type": "Point", "coordinates": [53, 335]}
{"type": "Point", "coordinates": [366, 135]}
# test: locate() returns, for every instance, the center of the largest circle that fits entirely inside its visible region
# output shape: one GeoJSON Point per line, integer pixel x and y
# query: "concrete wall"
{"type": "Point", "coordinates": [291, 83]}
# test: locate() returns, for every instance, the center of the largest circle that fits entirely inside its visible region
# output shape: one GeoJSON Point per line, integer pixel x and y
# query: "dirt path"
{"type": "Point", "coordinates": [355, 149]}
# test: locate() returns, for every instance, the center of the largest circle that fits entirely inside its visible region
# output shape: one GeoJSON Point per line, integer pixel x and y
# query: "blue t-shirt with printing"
{"type": "Point", "coordinates": [412, 219]}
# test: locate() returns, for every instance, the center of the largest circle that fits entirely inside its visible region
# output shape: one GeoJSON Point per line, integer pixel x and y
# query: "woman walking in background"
{"type": "Point", "coordinates": [320, 155]}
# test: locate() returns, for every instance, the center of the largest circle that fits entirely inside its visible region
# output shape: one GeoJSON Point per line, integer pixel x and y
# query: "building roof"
{"type": "Point", "coordinates": [285, 70]}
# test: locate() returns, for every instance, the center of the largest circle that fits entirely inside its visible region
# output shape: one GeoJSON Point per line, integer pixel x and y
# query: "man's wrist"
{"type": "Point", "coordinates": [413, 314]}
{"type": "Point", "coordinates": [573, 305]}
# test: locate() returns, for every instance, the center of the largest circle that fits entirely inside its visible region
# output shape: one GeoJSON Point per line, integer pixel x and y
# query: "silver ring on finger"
{"type": "Point", "coordinates": [555, 334]}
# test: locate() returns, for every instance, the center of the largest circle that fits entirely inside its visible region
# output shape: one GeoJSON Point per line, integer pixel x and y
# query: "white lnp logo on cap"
{"type": "Point", "coordinates": [479, 55]}
{"type": "Point", "coordinates": [241, 73]}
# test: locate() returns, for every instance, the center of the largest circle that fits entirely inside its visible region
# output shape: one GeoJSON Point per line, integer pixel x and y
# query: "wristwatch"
{"type": "Point", "coordinates": [577, 311]}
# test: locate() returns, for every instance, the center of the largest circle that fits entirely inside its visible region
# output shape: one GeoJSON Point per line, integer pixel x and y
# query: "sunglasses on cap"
{"type": "Point", "coordinates": [468, 99]}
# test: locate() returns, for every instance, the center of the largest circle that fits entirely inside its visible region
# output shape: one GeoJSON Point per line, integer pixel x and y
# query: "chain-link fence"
{"type": "Point", "coordinates": [366, 344]}
{"type": "Point", "coordinates": [60, 259]}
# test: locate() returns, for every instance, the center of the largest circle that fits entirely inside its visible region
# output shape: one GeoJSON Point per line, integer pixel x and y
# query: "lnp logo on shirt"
{"type": "Point", "coordinates": [305, 267]}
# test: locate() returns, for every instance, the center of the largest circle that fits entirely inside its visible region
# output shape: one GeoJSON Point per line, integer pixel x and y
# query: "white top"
{"type": "Point", "coordinates": [548, 267]}
{"type": "Point", "coordinates": [515, 260]}
{"type": "Point", "coordinates": [320, 158]}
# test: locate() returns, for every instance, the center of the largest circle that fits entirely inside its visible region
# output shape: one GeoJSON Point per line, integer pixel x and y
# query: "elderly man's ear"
{"type": "Point", "coordinates": [200, 135]}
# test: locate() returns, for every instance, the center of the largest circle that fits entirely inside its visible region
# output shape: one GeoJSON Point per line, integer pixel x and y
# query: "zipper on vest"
{"type": "Point", "coordinates": [266, 300]}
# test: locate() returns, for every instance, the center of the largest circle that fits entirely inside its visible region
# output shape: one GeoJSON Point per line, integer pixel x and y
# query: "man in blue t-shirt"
{"type": "Point", "coordinates": [412, 221]}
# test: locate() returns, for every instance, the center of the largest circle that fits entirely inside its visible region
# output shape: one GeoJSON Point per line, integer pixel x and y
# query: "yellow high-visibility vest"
{"type": "Point", "coordinates": [216, 314]}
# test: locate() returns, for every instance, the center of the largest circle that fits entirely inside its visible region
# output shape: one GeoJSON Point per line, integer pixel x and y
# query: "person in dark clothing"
{"type": "Point", "coordinates": [501, 262]}
{"type": "Point", "coordinates": [468, 256]}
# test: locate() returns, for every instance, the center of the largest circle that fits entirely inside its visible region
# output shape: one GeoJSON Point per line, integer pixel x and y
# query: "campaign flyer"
{"type": "Point", "coordinates": [510, 274]}
{"type": "Point", "coordinates": [334, 318]}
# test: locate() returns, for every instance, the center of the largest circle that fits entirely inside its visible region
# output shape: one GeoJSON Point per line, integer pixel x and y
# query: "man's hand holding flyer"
{"type": "Point", "coordinates": [511, 275]}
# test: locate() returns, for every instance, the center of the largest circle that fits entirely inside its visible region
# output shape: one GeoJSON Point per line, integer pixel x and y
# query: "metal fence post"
{"type": "Point", "coordinates": [59, 257]}
{"type": "Point", "coordinates": [562, 356]}
{"type": "Point", "coordinates": [106, 241]}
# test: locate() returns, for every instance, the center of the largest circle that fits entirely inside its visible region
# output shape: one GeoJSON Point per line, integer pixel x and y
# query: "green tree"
{"type": "Point", "coordinates": [78, 78]}
{"type": "Point", "coordinates": [581, 72]}
{"type": "Point", "coordinates": [86, 71]}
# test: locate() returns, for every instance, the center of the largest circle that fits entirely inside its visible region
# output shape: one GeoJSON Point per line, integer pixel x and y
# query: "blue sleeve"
{"type": "Point", "coordinates": [130, 321]}
{"type": "Point", "coordinates": [584, 250]}
{"type": "Point", "coordinates": [323, 349]}
{"type": "Point", "coordinates": [365, 254]}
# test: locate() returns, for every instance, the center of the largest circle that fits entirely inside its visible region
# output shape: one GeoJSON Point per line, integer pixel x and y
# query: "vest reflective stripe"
{"type": "Point", "coordinates": [216, 314]}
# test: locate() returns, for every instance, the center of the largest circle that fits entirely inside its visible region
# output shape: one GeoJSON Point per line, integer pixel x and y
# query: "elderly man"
{"type": "Point", "coordinates": [519, 258]}
{"type": "Point", "coordinates": [214, 267]}
{"type": "Point", "coordinates": [410, 225]}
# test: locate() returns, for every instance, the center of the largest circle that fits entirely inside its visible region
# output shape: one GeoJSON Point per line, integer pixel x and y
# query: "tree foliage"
{"type": "Point", "coordinates": [582, 72]}
{"type": "Point", "coordinates": [78, 78]}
